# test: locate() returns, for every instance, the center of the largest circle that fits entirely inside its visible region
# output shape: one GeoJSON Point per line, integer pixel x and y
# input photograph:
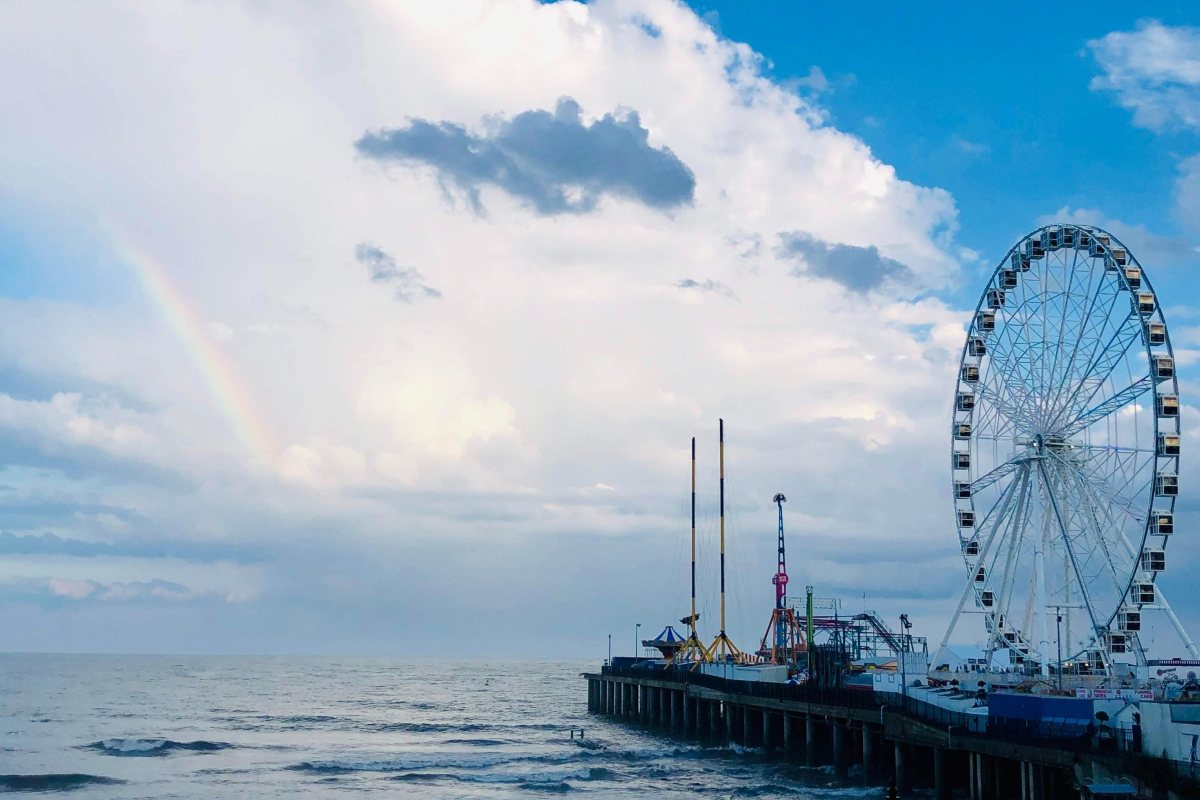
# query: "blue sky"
{"type": "Point", "coordinates": [321, 324]}
{"type": "Point", "coordinates": [994, 107]}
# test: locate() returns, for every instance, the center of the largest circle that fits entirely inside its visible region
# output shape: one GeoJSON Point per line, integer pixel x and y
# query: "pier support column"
{"type": "Point", "coordinates": [729, 714]}
{"type": "Point", "coordinates": [714, 718]}
{"type": "Point", "coordinates": [787, 736]}
{"type": "Point", "coordinates": [810, 740]}
{"type": "Point", "coordinates": [868, 750]}
{"type": "Point", "coordinates": [654, 704]}
{"type": "Point", "coordinates": [745, 726]}
{"type": "Point", "coordinates": [642, 709]}
{"type": "Point", "coordinates": [840, 767]}
{"type": "Point", "coordinates": [678, 711]}
{"type": "Point", "coordinates": [768, 743]}
{"type": "Point", "coordinates": [901, 768]}
{"type": "Point", "coordinates": [689, 716]}
{"type": "Point", "coordinates": [941, 777]}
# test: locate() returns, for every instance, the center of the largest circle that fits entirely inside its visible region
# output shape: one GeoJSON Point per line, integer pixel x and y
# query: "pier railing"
{"type": "Point", "coordinates": [847, 698]}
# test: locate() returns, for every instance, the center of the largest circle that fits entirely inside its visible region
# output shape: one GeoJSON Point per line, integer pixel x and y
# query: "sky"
{"type": "Point", "coordinates": [383, 327]}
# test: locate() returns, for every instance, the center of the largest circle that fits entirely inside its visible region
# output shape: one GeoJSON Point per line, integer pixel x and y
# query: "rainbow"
{"type": "Point", "coordinates": [221, 377]}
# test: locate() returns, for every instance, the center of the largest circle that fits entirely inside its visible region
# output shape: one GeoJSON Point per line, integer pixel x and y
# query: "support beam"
{"type": "Point", "coordinates": [840, 767]}
{"type": "Point", "coordinates": [810, 740]}
{"type": "Point", "coordinates": [714, 718]}
{"type": "Point", "coordinates": [745, 726]}
{"type": "Point", "coordinates": [689, 715]}
{"type": "Point", "coordinates": [901, 767]}
{"type": "Point", "coordinates": [788, 744]}
{"type": "Point", "coordinates": [767, 743]}
{"type": "Point", "coordinates": [868, 750]}
{"type": "Point", "coordinates": [677, 712]}
{"type": "Point", "coordinates": [941, 776]}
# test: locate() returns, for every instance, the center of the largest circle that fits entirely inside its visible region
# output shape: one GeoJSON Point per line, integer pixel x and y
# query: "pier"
{"type": "Point", "coordinates": [922, 748]}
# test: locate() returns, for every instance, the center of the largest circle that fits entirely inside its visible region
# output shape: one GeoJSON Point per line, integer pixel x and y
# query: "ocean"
{"type": "Point", "coordinates": [240, 726]}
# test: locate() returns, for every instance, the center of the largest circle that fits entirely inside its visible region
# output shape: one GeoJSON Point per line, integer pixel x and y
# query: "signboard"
{"type": "Point", "coordinates": [1115, 694]}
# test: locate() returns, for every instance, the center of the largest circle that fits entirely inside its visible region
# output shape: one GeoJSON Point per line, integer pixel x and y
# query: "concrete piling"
{"type": "Point", "coordinates": [941, 778]}
{"type": "Point", "coordinates": [840, 767]}
{"type": "Point", "coordinates": [901, 767]}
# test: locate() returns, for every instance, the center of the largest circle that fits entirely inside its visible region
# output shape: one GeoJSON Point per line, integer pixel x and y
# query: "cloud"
{"type": "Point", "coordinates": [554, 162]}
{"type": "Point", "coordinates": [118, 591]}
{"type": "Point", "coordinates": [1154, 71]}
{"type": "Point", "coordinates": [1151, 249]}
{"type": "Point", "coordinates": [417, 453]}
{"type": "Point", "coordinates": [969, 147]}
{"type": "Point", "coordinates": [407, 282]}
{"type": "Point", "coordinates": [716, 287]}
{"type": "Point", "coordinates": [1187, 194]}
{"type": "Point", "coordinates": [859, 269]}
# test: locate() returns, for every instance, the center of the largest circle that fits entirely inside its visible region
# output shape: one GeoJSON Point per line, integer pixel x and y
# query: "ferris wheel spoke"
{"type": "Point", "coordinates": [1016, 538]}
{"type": "Point", "coordinates": [1111, 493]}
{"type": "Point", "coordinates": [1110, 529]}
{"type": "Point", "coordinates": [1096, 376]}
{"type": "Point", "coordinates": [1056, 382]}
{"type": "Point", "coordinates": [996, 474]}
{"type": "Point", "coordinates": [1057, 516]}
{"type": "Point", "coordinates": [1119, 400]}
{"type": "Point", "coordinates": [1091, 327]}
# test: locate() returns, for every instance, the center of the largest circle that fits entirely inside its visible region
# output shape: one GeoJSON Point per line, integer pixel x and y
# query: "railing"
{"type": "Point", "coordinates": [848, 698]}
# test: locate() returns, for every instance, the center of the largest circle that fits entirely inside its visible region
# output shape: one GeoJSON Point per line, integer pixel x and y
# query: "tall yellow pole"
{"type": "Point", "coordinates": [722, 473]}
{"type": "Point", "coordinates": [694, 639]}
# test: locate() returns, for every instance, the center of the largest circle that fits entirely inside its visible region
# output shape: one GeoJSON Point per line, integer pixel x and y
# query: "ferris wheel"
{"type": "Point", "coordinates": [1064, 454]}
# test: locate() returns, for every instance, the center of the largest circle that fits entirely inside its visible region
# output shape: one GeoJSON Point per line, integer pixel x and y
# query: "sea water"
{"type": "Point", "coordinates": [242, 726]}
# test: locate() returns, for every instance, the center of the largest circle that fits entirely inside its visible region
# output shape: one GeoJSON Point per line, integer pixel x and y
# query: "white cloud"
{"type": "Point", "coordinates": [562, 347]}
{"type": "Point", "coordinates": [1151, 249]}
{"type": "Point", "coordinates": [1154, 71]}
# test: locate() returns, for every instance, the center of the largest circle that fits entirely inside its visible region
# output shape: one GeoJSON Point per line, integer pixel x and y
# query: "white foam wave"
{"type": "Point", "coordinates": [133, 745]}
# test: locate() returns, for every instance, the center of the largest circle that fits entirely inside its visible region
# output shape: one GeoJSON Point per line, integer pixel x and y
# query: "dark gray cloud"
{"type": "Point", "coordinates": [709, 285]}
{"type": "Point", "coordinates": [551, 161]}
{"type": "Point", "coordinates": [859, 269]}
{"type": "Point", "coordinates": [407, 282]}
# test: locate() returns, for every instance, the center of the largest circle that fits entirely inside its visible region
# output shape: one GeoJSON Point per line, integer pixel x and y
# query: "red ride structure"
{"type": "Point", "coordinates": [783, 642]}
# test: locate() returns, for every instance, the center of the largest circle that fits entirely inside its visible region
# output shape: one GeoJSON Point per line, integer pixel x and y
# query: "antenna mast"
{"type": "Point", "coordinates": [727, 647]}
{"type": "Point", "coordinates": [692, 650]}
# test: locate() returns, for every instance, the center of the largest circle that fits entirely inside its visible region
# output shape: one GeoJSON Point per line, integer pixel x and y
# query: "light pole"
{"type": "Point", "coordinates": [1058, 640]}
{"type": "Point", "coordinates": [904, 626]}
{"type": "Point", "coordinates": [636, 628]}
{"type": "Point", "coordinates": [610, 648]}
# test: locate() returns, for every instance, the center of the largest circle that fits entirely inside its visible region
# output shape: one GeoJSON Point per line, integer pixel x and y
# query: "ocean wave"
{"type": "Point", "coordinates": [53, 782]}
{"type": "Point", "coordinates": [763, 790]}
{"type": "Point", "coordinates": [154, 747]}
{"type": "Point", "coordinates": [557, 788]}
{"type": "Point", "coordinates": [547, 778]}
{"type": "Point", "coordinates": [478, 742]}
